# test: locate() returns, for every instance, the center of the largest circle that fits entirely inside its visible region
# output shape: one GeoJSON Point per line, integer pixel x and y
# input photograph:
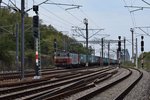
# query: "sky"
{"type": "Point", "coordinates": [110, 15]}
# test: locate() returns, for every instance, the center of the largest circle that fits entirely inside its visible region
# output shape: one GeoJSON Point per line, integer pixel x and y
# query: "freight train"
{"type": "Point", "coordinates": [70, 60]}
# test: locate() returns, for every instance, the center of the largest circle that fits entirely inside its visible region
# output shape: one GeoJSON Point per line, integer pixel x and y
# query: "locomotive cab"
{"type": "Point", "coordinates": [62, 59]}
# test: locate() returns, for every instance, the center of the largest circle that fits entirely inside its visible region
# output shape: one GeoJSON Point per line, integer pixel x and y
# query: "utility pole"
{"type": "Point", "coordinates": [87, 37]}
{"type": "Point", "coordinates": [22, 11]}
{"type": "Point", "coordinates": [102, 40]}
{"type": "Point", "coordinates": [132, 31]}
{"type": "Point", "coordinates": [108, 53]}
{"type": "Point", "coordinates": [22, 38]}
{"type": "Point", "coordinates": [87, 52]}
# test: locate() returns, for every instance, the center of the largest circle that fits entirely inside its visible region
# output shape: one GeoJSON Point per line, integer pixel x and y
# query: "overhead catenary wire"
{"type": "Point", "coordinates": [13, 4]}
{"type": "Point", "coordinates": [131, 14]}
{"type": "Point", "coordinates": [146, 2]}
{"type": "Point", "coordinates": [87, 16]}
{"type": "Point", "coordinates": [139, 8]}
{"type": "Point", "coordinates": [68, 12]}
{"type": "Point", "coordinates": [61, 20]}
{"type": "Point", "coordinates": [50, 12]}
{"type": "Point", "coordinates": [47, 20]}
{"type": "Point", "coordinates": [57, 16]}
{"type": "Point", "coordinates": [65, 24]}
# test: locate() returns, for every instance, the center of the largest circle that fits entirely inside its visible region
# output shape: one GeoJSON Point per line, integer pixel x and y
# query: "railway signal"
{"type": "Point", "coordinates": [119, 49]}
{"type": "Point", "coordinates": [142, 44]}
{"type": "Point", "coordinates": [36, 34]}
{"type": "Point", "coordinates": [142, 49]}
{"type": "Point", "coordinates": [87, 37]}
{"type": "Point", "coordinates": [36, 21]}
{"type": "Point", "coordinates": [119, 45]}
{"type": "Point", "coordinates": [35, 26]}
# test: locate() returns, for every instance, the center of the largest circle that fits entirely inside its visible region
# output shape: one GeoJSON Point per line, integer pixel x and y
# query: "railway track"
{"type": "Point", "coordinates": [16, 75]}
{"type": "Point", "coordinates": [110, 90]}
{"type": "Point", "coordinates": [36, 89]}
{"type": "Point", "coordinates": [50, 76]}
{"type": "Point", "coordinates": [78, 85]}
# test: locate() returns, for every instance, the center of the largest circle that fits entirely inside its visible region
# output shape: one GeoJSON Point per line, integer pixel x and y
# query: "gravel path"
{"type": "Point", "coordinates": [142, 90]}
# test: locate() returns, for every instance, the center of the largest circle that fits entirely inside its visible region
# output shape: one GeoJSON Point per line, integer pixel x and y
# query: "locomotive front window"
{"type": "Point", "coordinates": [58, 54]}
{"type": "Point", "coordinates": [62, 54]}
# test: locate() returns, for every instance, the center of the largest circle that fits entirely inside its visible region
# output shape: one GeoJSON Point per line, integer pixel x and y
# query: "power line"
{"type": "Point", "coordinates": [68, 12]}
{"type": "Point", "coordinates": [86, 16]}
{"type": "Point", "coordinates": [57, 16]}
{"type": "Point", "coordinates": [146, 2]}
{"type": "Point", "coordinates": [61, 19]}
{"type": "Point", "coordinates": [47, 19]}
{"type": "Point", "coordinates": [131, 15]}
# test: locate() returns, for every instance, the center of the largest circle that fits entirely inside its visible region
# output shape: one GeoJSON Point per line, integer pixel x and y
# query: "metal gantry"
{"type": "Point", "coordinates": [102, 42]}
{"type": "Point", "coordinates": [86, 37]}
{"type": "Point", "coordinates": [142, 29]}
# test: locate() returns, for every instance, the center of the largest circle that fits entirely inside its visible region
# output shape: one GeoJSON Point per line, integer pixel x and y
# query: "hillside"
{"type": "Point", "coordinates": [8, 20]}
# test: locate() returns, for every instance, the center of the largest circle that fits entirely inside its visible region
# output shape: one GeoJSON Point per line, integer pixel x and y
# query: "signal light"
{"type": "Point", "coordinates": [36, 21]}
{"type": "Point", "coordinates": [119, 37]}
{"type": "Point", "coordinates": [119, 43]}
{"type": "Point", "coordinates": [142, 48]}
{"type": "Point", "coordinates": [35, 33]}
{"type": "Point", "coordinates": [142, 44]}
{"type": "Point", "coordinates": [142, 37]}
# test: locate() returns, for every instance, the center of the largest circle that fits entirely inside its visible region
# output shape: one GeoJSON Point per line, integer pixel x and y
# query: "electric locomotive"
{"type": "Point", "coordinates": [71, 60]}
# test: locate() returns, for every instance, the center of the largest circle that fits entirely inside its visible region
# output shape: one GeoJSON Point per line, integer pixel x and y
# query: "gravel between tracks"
{"type": "Point", "coordinates": [114, 91]}
{"type": "Point", "coordinates": [122, 72]}
{"type": "Point", "coordinates": [142, 90]}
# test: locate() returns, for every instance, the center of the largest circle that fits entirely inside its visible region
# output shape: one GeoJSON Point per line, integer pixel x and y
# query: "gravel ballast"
{"type": "Point", "coordinates": [142, 90]}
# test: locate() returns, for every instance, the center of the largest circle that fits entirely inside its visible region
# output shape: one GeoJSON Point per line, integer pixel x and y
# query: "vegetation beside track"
{"type": "Point", "coordinates": [146, 62]}
{"type": "Point", "coordinates": [8, 20]}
